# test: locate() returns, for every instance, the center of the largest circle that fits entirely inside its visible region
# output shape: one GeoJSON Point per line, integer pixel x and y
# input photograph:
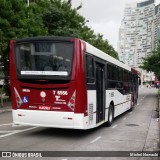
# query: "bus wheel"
{"type": "Point", "coordinates": [110, 116]}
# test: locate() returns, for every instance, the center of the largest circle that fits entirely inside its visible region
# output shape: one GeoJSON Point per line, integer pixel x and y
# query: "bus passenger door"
{"type": "Point", "coordinates": [100, 92]}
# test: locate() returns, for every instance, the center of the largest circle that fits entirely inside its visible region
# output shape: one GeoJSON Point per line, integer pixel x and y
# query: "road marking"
{"type": "Point", "coordinates": [8, 134]}
{"type": "Point", "coordinates": [124, 118]}
{"type": "Point", "coordinates": [138, 104]}
{"type": "Point", "coordinates": [18, 125]}
{"type": "Point", "coordinates": [5, 124]}
{"type": "Point", "coordinates": [96, 139]}
{"type": "Point", "coordinates": [18, 131]}
{"type": "Point", "coordinates": [7, 131]}
{"type": "Point", "coordinates": [114, 126]}
{"type": "Point", "coordinates": [23, 130]}
{"type": "Point", "coordinates": [131, 112]}
{"type": "Point", "coordinates": [10, 131]}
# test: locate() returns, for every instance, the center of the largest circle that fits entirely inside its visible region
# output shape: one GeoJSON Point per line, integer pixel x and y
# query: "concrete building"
{"type": "Point", "coordinates": [138, 34]}
{"type": "Point", "coordinates": [156, 25]}
{"type": "Point", "coordinates": [135, 34]}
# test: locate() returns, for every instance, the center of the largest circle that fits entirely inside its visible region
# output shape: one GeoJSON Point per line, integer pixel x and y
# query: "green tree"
{"type": "Point", "coordinates": [17, 20]}
{"type": "Point", "coordinates": [152, 62]}
{"type": "Point", "coordinates": [62, 19]}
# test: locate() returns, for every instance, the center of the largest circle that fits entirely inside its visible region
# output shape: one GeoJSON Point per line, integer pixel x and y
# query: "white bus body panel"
{"type": "Point", "coordinates": [50, 119]}
{"type": "Point", "coordinates": [121, 102]}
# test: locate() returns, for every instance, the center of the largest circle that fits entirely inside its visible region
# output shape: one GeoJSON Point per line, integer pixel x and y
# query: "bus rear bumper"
{"type": "Point", "coordinates": [52, 119]}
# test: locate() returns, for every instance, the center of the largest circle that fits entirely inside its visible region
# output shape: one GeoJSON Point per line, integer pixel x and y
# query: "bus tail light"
{"type": "Point", "coordinates": [71, 103]}
{"type": "Point", "coordinates": [18, 98]}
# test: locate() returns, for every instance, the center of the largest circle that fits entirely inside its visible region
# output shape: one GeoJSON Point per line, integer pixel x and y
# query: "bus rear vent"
{"type": "Point", "coordinates": [90, 112]}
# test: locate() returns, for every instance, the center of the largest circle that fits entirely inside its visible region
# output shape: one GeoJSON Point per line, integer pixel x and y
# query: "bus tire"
{"type": "Point", "coordinates": [110, 116]}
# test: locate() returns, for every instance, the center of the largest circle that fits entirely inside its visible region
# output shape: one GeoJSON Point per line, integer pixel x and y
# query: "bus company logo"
{"type": "Point", "coordinates": [43, 94]}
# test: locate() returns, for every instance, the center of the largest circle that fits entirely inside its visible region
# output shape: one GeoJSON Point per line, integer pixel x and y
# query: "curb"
{"type": "Point", "coordinates": [5, 109]}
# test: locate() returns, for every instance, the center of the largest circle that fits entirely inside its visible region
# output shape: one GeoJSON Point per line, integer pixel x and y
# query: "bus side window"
{"type": "Point", "coordinates": [90, 69]}
{"type": "Point", "coordinates": [126, 81]}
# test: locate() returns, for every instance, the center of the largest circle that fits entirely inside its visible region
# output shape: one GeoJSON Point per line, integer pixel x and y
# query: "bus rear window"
{"type": "Point", "coordinates": [44, 59]}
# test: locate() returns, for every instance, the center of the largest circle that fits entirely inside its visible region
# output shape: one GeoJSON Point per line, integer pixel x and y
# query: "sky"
{"type": "Point", "coordinates": [104, 16]}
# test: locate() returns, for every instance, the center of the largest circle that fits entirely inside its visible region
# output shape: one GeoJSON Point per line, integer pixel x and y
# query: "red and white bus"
{"type": "Point", "coordinates": [67, 83]}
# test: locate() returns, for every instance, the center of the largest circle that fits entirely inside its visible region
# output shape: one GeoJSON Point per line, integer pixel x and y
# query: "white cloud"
{"type": "Point", "coordinates": [108, 29]}
{"type": "Point", "coordinates": [157, 2]}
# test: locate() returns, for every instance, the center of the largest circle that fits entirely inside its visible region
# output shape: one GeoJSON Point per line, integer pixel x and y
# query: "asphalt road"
{"type": "Point", "coordinates": [133, 131]}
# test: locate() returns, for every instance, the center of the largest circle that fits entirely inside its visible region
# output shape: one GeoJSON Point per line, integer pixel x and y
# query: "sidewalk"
{"type": "Point", "coordinates": [158, 110]}
{"type": "Point", "coordinates": [7, 107]}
